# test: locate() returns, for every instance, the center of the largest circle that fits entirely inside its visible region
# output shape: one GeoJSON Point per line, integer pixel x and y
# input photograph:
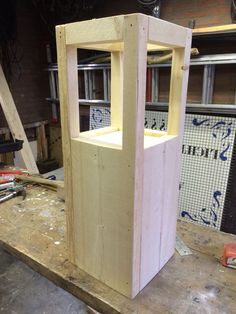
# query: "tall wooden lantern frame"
{"type": "Point", "coordinates": [122, 181]}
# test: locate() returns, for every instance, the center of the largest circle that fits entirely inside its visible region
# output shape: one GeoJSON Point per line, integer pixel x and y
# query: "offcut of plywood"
{"type": "Point", "coordinates": [122, 181]}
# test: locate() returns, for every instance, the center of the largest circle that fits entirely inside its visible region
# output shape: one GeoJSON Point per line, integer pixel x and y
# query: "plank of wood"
{"type": "Point", "coordinates": [113, 47]}
{"type": "Point", "coordinates": [228, 28]}
{"type": "Point", "coordinates": [68, 90]}
{"type": "Point", "coordinates": [101, 31]}
{"type": "Point", "coordinates": [190, 284]}
{"type": "Point", "coordinates": [15, 124]}
{"type": "Point", "coordinates": [208, 241]}
{"type": "Point", "coordinates": [152, 212]}
{"type": "Point", "coordinates": [172, 166]}
{"type": "Point", "coordinates": [42, 147]}
{"type": "Point", "coordinates": [166, 34]}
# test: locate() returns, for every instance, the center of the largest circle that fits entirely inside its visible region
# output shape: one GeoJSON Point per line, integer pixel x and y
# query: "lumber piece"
{"type": "Point", "coordinates": [68, 90]}
{"type": "Point", "coordinates": [39, 180]}
{"type": "Point", "coordinates": [41, 143]}
{"type": "Point", "coordinates": [14, 123]}
{"type": "Point", "coordinates": [228, 28]}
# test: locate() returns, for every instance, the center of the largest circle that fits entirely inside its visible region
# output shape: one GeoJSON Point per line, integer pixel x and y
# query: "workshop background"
{"type": "Point", "coordinates": [28, 56]}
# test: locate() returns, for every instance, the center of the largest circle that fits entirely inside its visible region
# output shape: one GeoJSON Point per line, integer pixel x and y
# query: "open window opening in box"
{"type": "Point", "coordinates": [95, 80]}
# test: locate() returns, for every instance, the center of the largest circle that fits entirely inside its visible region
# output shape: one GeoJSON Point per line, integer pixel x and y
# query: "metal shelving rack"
{"type": "Point", "coordinates": [89, 84]}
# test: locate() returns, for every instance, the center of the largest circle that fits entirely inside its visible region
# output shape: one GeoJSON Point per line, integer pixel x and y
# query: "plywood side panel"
{"type": "Point", "coordinates": [153, 196]}
{"type": "Point", "coordinates": [103, 193]}
{"type": "Point", "coordinates": [135, 52]}
{"type": "Point", "coordinates": [68, 90]}
{"type": "Point", "coordinates": [117, 89]}
{"type": "Point", "coordinates": [170, 183]}
{"type": "Point", "coordinates": [108, 47]}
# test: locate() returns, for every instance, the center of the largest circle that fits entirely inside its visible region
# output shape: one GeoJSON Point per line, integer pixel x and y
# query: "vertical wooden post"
{"type": "Point", "coordinates": [178, 88]}
{"type": "Point", "coordinates": [135, 53]}
{"type": "Point", "coordinates": [68, 87]}
{"type": "Point", "coordinates": [116, 89]}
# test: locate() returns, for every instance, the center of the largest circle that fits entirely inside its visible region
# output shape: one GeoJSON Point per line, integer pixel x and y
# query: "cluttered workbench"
{"type": "Point", "coordinates": [33, 229]}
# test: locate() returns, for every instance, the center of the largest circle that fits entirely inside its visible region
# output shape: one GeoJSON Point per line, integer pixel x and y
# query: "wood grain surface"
{"type": "Point", "coordinates": [34, 231]}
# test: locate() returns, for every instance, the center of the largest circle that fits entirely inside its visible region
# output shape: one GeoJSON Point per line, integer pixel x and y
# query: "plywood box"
{"type": "Point", "coordinates": [122, 181]}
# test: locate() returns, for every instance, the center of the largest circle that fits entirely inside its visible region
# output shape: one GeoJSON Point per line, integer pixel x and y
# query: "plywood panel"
{"type": "Point", "coordinates": [104, 219]}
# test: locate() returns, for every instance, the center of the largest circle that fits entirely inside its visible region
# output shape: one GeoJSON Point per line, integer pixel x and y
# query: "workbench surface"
{"type": "Point", "coordinates": [34, 231]}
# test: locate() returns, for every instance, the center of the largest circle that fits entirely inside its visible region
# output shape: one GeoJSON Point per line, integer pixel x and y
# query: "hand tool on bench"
{"type": "Point", "coordinates": [18, 192]}
{"type": "Point", "coordinates": [8, 185]}
{"type": "Point", "coordinates": [55, 185]}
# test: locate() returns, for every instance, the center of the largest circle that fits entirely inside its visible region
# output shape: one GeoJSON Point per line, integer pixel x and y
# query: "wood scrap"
{"type": "Point", "coordinates": [51, 184]}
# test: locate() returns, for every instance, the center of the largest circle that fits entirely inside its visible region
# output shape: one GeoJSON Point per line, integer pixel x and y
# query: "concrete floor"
{"type": "Point", "coordinates": [23, 291]}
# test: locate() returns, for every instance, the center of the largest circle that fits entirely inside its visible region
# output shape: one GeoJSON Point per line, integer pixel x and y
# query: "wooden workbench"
{"type": "Point", "coordinates": [34, 231]}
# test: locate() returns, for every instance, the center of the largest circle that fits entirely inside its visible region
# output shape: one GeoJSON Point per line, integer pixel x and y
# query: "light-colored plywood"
{"type": "Point", "coordinates": [166, 34]}
{"type": "Point", "coordinates": [100, 31]}
{"type": "Point", "coordinates": [116, 89]}
{"type": "Point", "coordinates": [170, 199]}
{"type": "Point", "coordinates": [178, 87]}
{"type": "Point", "coordinates": [14, 123]}
{"type": "Point", "coordinates": [172, 166]}
{"type": "Point", "coordinates": [113, 47]}
{"type": "Point", "coordinates": [42, 145]}
{"type": "Point", "coordinates": [104, 231]}
{"type": "Point", "coordinates": [152, 207]}
{"type": "Point", "coordinates": [123, 179]}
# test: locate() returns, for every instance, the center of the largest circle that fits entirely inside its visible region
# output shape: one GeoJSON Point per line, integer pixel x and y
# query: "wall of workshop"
{"type": "Point", "coordinates": [29, 82]}
{"type": "Point", "coordinates": [205, 13]}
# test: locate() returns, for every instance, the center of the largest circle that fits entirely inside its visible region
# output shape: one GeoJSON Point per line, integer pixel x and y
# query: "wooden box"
{"type": "Point", "coordinates": [122, 181]}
